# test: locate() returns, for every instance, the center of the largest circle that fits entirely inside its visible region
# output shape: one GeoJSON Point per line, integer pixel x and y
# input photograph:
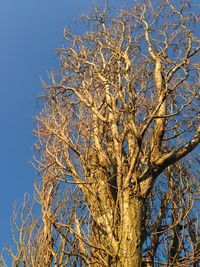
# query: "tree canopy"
{"type": "Point", "coordinates": [120, 116]}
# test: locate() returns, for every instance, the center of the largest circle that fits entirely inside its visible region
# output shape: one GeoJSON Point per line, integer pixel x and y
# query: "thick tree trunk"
{"type": "Point", "coordinates": [130, 252]}
{"type": "Point", "coordinates": [126, 249]}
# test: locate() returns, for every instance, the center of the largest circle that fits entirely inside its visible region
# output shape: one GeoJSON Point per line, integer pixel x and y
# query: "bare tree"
{"type": "Point", "coordinates": [119, 120]}
{"type": "Point", "coordinates": [38, 241]}
{"type": "Point", "coordinates": [169, 237]}
{"type": "Point", "coordinates": [122, 111]}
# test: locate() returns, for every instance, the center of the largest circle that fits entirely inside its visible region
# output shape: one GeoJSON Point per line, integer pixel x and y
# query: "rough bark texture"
{"type": "Point", "coordinates": [130, 245]}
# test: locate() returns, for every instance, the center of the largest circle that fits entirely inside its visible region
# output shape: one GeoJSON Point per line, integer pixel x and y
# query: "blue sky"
{"type": "Point", "coordinates": [30, 31]}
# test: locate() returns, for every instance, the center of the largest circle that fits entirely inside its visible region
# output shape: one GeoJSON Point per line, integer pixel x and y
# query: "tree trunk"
{"type": "Point", "coordinates": [130, 252]}
{"type": "Point", "coordinates": [127, 248]}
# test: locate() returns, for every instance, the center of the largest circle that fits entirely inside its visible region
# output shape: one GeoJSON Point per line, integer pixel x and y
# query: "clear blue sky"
{"type": "Point", "coordinates": [30, 31]}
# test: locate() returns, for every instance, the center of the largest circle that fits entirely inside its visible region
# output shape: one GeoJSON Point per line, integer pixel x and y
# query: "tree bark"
{"type": "Point", "coordinates": [127, 251]}
{"type": "Point", "coordinates": [130, 252]}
